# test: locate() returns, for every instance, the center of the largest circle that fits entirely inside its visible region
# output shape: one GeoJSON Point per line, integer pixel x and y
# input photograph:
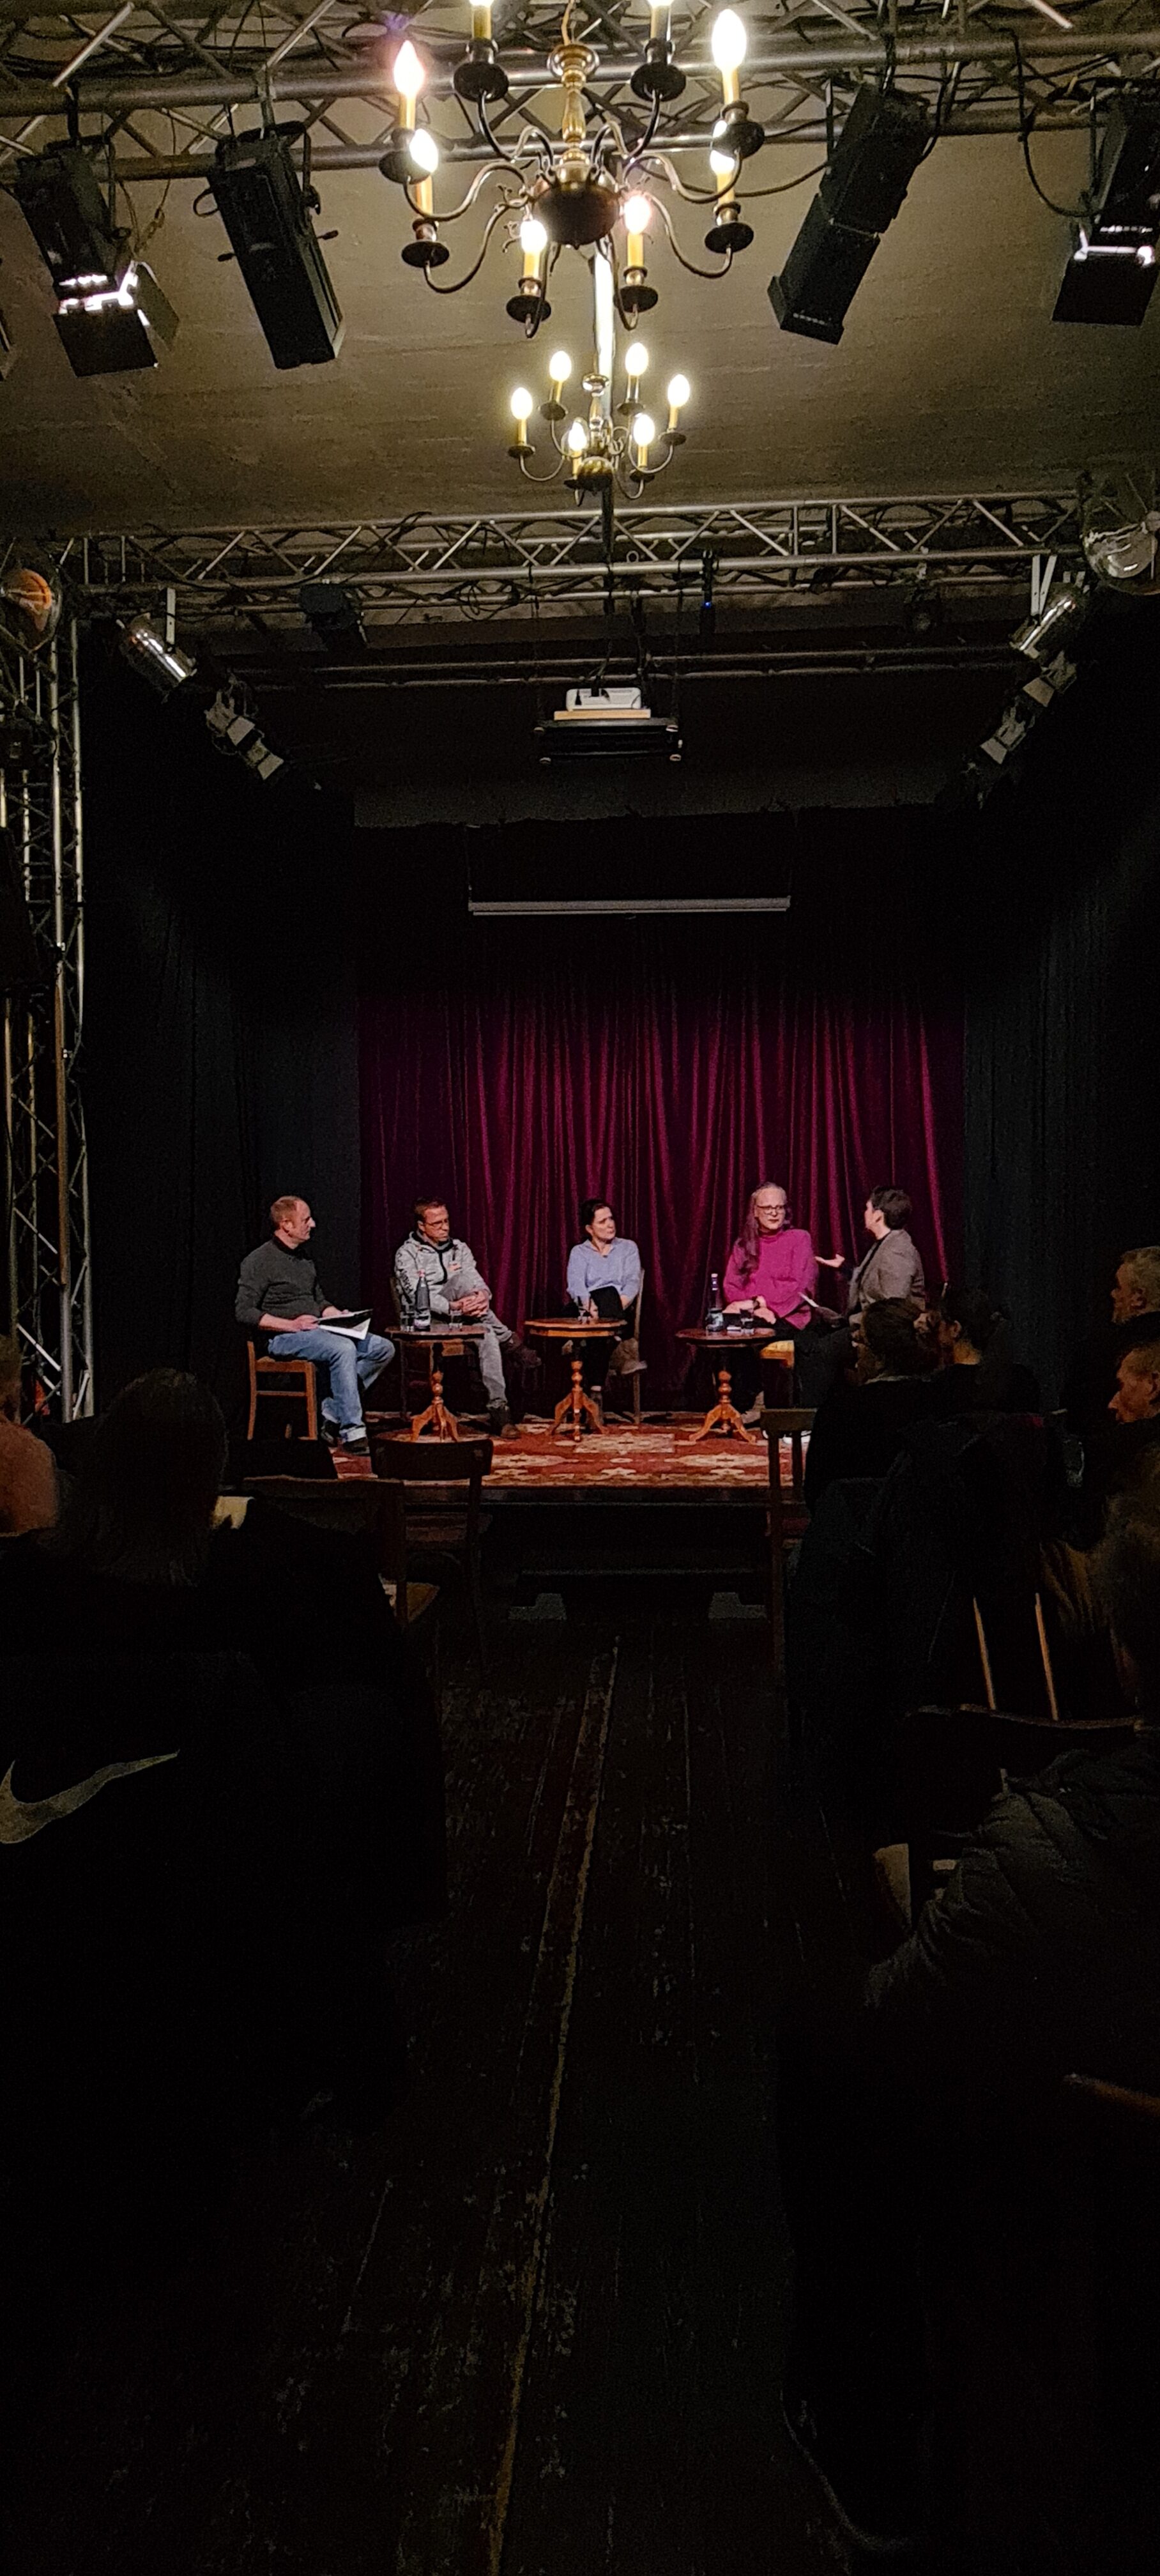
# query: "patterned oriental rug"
{"type": "Point", "coordinates": [664, 1460]}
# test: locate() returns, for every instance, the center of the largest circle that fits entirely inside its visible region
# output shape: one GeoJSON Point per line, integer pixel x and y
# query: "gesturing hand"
{"type": "Point", "coordinates": [830, 1260]}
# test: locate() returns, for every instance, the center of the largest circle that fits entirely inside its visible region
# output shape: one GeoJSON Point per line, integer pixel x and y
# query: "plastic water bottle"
{"type": "Point", "coordinates": [714, 1314]}
{"type": "Point", "coordinates": [422, 1307]}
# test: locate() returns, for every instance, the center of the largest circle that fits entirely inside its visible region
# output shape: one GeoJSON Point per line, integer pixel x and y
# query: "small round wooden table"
{"type": "Point", "coordinates": [435, 1417]}
{"type": "Point", "coordinates": [724, 1416]}
{"type": "Point", "coordinates": [577, 1405]}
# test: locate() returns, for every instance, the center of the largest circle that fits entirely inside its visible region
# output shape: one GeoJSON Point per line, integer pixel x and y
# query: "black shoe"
{"type": "Point", "coordinates": [359, 1447]}
{"type": "Point", "coordinates": [329, 1431]}
{"type": "Point", "coordinates": [498, 1420]}
{"type": "Point", "coordinates": [858, 2488]}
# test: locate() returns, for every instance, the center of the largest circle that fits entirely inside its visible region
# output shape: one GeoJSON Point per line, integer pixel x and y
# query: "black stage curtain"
{"type": "Point", "coordinates": [220, 1042]}
{"type": "Point", "coordinates": [1062, 879]}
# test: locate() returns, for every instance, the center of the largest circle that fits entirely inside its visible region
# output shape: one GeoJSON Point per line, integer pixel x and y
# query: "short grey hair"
{"type": "Point", "coordinates": [1143, 1268]}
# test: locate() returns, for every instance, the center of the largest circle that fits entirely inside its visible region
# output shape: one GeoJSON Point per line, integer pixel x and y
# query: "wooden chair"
{"type": "Point", "coordinates": [356, 1503]}
{"type": "Point", "coordinates": [301, 1389]}
{"type": "Point", "coordinates": [444, 1518]}
{"type": "Point", "coordinates": [787, 1516]}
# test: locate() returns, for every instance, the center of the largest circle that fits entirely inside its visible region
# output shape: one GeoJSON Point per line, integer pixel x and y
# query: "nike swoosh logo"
{"type": "Point", "coordinates": [21, 1818]}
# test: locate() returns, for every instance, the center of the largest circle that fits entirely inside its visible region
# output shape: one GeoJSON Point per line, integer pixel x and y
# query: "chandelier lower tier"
{"type": "Point", "coordinates": [591, 189]}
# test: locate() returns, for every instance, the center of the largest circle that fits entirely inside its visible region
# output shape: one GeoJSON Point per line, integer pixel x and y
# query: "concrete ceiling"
{"type": "Point", "coordinates": [951, 375]}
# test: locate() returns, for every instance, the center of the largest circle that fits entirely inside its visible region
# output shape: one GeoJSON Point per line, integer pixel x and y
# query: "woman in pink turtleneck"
{"type": "Point", "coordinates": [773, 1264]}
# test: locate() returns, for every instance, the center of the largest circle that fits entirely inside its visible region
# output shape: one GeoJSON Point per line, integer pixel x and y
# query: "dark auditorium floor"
{"type": "Point", "coordinates": [533, 2327]}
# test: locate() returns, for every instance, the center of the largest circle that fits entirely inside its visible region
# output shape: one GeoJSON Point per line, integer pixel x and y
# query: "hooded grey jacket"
{"type": "Point", "coordinates": [449, 1269]}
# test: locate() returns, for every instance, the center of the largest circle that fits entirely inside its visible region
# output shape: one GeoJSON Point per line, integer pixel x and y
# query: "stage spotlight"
{"type": "Point", "coordinates": [1120, 528]}
{"type": "Point", "coordinates": [334, 614]}
{"type": "Point", "coordinates": [110, 311]}
{"type": "Point", "coordinates": [266, 210]}
{"type": "Point", "coordinates": [869, 170]}
{"type": "Point", "coordinates": [1048, 623]}
{"type": "Point", "coordinates": [158, 658]}
{"type": "Point", "coordinates": [234, 730]}
{"type": "Point", "coordinates": [1112, 269]}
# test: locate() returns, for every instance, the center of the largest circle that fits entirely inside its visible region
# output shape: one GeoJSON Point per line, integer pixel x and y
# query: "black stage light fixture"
{"type": "Point", "coordinates": [110, 325]}
{"type": "Point", "coordinates": [267, 210]}
{"type": "Point", "coordinates": [334, 614]}
{"type": "Point", "coordinates": [607, 724]}
{"type": "Point", "coordinates": [1112, 269]}
{"type": "Point", "coordinates": [234, 730]}
{"type": "Point", "coordinates": [866, 178]}
{"type": "Point", "coordinates": [110, 310]}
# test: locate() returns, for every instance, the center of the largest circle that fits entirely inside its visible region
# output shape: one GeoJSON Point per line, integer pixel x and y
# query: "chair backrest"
{"type": "Point", "coordinates": [638, 1309]}
{"type": "Point", "coordinates": [345, 1503]}
{"type": "Point", "coordinates": [951, 1761]}
{"type": "Point", "coordinates": [786, 1422]}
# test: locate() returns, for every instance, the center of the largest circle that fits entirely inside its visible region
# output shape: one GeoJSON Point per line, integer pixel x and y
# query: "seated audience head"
{"type": "Point", "coordinates": [767, 1213]}
{"type": "Point", "coordinates": [888, 1343]}
{"type": "Point", "coordinates": [598, 1221]}
{"type": "Point", "coordinates": [142, 1507]}
{"type": "Point", "coordinates": [9, 1377]}
{"type": "Point", "coordinates": [1136, 1287]}
{"type": "Point", "coordinates": [1128, 1580]}
{"type": "Point", "coordinates": [291, 1220]}
{"type": "Point", "coordinates": [964, 1325]}
{"type": "Point", "coordinates": [432, 1222]}
{"type": "Point", "coordinates": [1137, 1396]}
{"type": "Point", "coordinates": [887, 1209]}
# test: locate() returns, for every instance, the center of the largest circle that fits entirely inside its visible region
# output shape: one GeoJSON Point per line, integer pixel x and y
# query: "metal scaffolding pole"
{"type": "Point", "coordinates": [49, 1274]}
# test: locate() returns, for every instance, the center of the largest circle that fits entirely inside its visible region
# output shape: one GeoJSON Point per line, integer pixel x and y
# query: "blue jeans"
{"type": "Point", "coordinates": [350, 1366]}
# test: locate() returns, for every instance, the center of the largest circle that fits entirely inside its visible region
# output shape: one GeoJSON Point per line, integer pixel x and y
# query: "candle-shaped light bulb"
{"type": "Point", "coordinates": [559, 370]}
{"type": "Point", "coordinates": [408, 76]}
{"type": "Point", "coordinates": [728, 43]}
{"type": "Point", "coordinates": [481, 22]}
{"type": "Point", "coordinates": [637, 213]}
{"type": "Point", "coordinates": [678, 395]}
{"type": "Point", "coordinates": [636, 361]}
{"type": "Point", "coordinates": [644, 431]}
{"type": "Point", "coordinates": [521, 412]}
{"type": "Point", "coordinates": [577, 438]}
{"type": "Point", "coordinates": [424, 154]}
{"type": "Point", "coordinates": [533, 243]}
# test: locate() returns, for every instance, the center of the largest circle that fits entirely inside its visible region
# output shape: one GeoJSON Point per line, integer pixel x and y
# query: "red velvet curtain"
{"type": "Point", "coordinates": [668, 1063]}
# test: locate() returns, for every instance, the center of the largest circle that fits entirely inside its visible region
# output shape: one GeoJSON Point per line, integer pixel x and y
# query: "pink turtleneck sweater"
{"type": "Point", "coordinates": [786, 1264]}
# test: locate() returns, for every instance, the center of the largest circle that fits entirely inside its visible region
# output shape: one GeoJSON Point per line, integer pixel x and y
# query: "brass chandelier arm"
{"type": "Point", "coordinates": [490, 170]}
{"type": "Point", "coordinates": [495, 217]}
{"type": "Point", "coordinates": [662, 210]}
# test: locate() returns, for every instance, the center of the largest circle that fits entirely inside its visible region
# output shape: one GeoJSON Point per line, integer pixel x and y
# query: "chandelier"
{"type": "Point", "coordinates": [592, 189]}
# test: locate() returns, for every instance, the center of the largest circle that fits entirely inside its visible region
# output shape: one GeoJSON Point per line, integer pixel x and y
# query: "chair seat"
{"type": "Point", "coordinates": [420, 1596]}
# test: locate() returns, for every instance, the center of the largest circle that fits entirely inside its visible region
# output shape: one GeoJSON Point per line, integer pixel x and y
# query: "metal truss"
{"type": "Point", "coordinates": [49, 1275]}
{"type": "Point", "coordinates": [432, 568]}
{"type": "Point", "coordinates": [154, 82]}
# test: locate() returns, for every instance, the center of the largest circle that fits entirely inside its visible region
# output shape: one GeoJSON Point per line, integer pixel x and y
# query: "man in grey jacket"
{"type": "Point", "coordinates": [457, 1292]}
{"type": "Point", "coordinates": [891, 1268]}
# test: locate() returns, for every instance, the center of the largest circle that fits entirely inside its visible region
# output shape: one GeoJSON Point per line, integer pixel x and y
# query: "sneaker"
{"type": "Point", "coordinates": [329, 1431]}
{"type": "Point", "coordinates": [357, 1447]}
{"type": "Point", "coordinates": [753, 1417]}
{"type": "Point", "coordinates": [857, 2490]}
{"type": "Point", "coordinates": [498, 1420]}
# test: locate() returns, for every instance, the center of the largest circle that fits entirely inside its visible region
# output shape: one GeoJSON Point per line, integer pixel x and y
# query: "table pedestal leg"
{"type": "Point", "coordinates": [723, 1416]}
{"type": "Point", "coordinates": [444, 1423]}
{"type": "Point", "coordinates": [577, 1403]}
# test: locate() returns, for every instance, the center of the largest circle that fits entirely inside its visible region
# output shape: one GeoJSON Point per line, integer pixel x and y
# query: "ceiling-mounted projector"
{"type": "Point", "coordinates": [607, 724]}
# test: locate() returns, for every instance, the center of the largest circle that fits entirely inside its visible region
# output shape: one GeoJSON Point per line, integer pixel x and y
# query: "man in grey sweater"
{"type": "Point", "coordinates": [456, 1290]}
{"type": "Point", "coordinates": [279, 1294]}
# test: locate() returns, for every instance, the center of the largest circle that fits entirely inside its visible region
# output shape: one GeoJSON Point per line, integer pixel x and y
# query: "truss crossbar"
{"type": "Point", "coordinates": [184, 71]}
{"type": "Point", "coordinates": [435, 564]}
{"type": "Point", "coordinates": [49, 1277]}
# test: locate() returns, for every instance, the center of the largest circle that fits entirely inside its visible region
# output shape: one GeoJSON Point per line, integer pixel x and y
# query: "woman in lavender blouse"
{"type": "Point", "coordinates": [604, 1276]}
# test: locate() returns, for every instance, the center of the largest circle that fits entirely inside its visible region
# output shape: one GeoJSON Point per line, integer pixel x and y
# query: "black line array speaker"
{"type": "Point", "coordinates": [870, 169]}
{"type": "Point", "coordinates": [265, 212]}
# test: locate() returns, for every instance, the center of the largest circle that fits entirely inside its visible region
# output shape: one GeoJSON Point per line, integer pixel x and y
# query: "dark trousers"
{"type": "Point", "coordinates": [810, 1379]}
{"type": "Point", "coordinates": [609, 1306]}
